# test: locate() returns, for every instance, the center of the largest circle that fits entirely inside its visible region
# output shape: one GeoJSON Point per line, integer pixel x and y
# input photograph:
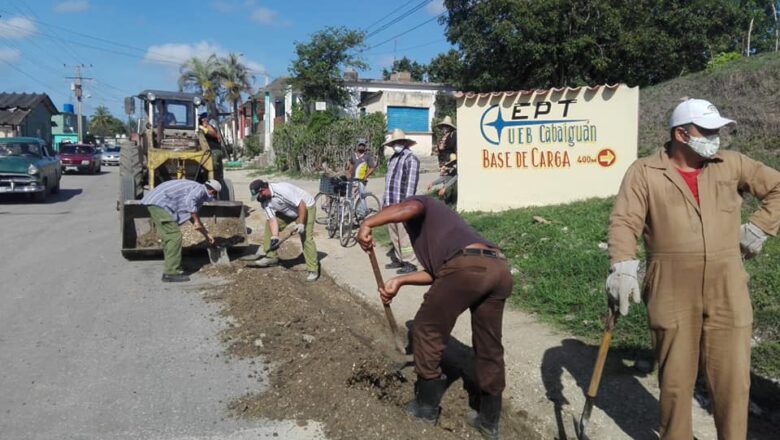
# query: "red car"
{"type": "Point", "coordinates": [81, 158]}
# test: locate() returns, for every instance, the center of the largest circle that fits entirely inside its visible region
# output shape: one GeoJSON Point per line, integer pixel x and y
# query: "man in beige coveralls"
{"type": "Point", "coordinates": [685, 201]}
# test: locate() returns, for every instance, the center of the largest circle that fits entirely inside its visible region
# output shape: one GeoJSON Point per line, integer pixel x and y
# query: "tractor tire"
{"type": "Point", "coordinates": [130, 166]}
{"type": "Point", "coordinates": [127, 189]}
{"type": "Point", "coordinates": [227, 193]}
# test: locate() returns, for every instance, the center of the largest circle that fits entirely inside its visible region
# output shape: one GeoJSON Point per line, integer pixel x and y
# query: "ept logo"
{"type": "Point", "coordinates": [492, 124]}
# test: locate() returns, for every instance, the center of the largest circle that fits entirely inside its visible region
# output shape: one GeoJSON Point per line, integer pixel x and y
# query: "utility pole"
{"type": "Point", "coordinates": [76, 87]}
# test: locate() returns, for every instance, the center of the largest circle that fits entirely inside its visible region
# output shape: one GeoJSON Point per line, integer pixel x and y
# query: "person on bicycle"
{"type": "Point", "coordinates": [361, 165]}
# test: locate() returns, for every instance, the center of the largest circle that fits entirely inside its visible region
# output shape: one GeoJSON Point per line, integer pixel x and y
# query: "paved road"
{"type": "Point", "coordinates": [95, 347]}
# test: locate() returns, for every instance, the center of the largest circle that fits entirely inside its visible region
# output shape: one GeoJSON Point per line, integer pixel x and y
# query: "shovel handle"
{"type": "Point", "coordinates": [606, 338]}
{"type": "Point", "coordinates": [380, 283]}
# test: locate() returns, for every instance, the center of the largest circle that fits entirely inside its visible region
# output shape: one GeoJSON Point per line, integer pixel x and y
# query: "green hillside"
{"type": "Point", "coordinates": [563, 264]}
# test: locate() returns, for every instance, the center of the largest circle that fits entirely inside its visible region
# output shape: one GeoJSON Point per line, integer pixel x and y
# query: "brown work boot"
{"type": "Point", "coordinates": [486, 420]}
{"type": "Point", "coordinates": [427, 396]}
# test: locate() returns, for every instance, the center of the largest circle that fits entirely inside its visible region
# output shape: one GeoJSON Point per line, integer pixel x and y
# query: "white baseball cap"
{"type": "Point", "coordinates": [698, 112]}
{"type": "Point", "coordinates": [215, 185]}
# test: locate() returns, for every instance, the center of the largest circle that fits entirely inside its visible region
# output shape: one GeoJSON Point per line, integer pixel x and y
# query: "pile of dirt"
{"type": "Point", "coordinates": [224, 230]}
{"type": "Point", "coordinates": [332, 360]}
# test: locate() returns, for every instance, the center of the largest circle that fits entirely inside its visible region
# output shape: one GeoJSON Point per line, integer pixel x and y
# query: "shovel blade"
{"type": "Point", "coordinates": [582, 426]}
{"type": "Point", "coordinates": [219, 255]}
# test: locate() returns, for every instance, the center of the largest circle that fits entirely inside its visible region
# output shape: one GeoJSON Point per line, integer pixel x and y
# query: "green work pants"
{"type": "Point", "coordinates": [170, 234]}
{"type": "Point", "coordinates": [307, 238]}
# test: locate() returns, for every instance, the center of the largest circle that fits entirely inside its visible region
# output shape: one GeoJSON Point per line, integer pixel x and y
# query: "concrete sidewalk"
{"type": "Point", "coordinates": [547, 370]}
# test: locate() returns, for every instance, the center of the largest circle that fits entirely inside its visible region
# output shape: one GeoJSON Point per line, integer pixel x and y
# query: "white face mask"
{"type": "Point", "coordinates": [398, 148]}
{"type": "Point", "coordinates": [705, 146]}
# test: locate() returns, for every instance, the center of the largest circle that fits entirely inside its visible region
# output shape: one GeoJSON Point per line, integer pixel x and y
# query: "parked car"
{"type": "Point", "coordinates": [80, 158]}
{"type": "Point", "coordinates": [110, 156]}
{"type": "Point", "coordinates": [28, 166]}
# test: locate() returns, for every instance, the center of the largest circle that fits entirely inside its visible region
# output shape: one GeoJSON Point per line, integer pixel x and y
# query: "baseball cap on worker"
{"type": "Point", "coordinates": [256, 186]}
{"type": "Point", "coordinates": [203, 115]}
{"type": "Point", "coordinates": [699, 112]}
{"type": "Point", "coordinates": [214, 184]}
{"type": "Point", "coordinates": [361, 141]}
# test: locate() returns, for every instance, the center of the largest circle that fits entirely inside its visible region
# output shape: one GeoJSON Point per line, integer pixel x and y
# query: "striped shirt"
{"type": "Point", "coordinates": [285, 198]}
{"type": "Point", "coordinates": [181, 198]}
{"type": "Point", "coordinates": [403, 171]}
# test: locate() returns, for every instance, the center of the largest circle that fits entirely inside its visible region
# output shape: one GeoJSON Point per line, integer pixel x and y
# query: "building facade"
{"type": "Point", "coordinates": [26, 114]}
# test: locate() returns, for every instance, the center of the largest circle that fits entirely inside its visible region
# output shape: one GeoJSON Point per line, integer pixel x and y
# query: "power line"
{"type": "Point", "coordinates": [32, 14]}
{"type": "Point", "coordinates": [405, 32]}
{"type": "Point", "coordinates": [46, 86]}
{"type": "Point", "coordinates": [411, 11]}
{"type": "Point", "coordinates": [440, 40]}
{"type": "Point", "coordinates": [388, 15]}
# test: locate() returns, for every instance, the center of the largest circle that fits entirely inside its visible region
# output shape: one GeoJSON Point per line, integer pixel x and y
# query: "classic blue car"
{"type": "Point", "coordinates": [28, 166]}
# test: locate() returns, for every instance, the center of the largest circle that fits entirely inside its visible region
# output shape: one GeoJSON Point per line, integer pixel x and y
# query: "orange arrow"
{"type": "Point", "coordinates": [606, 157]}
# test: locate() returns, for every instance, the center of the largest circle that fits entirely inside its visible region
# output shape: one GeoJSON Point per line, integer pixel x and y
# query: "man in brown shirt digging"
{"type": "Point", "coordinates": [465, 271]}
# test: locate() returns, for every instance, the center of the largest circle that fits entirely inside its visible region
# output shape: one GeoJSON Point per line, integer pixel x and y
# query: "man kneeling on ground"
{"type": "Point", "coordinates": [170, 204]}
{"type": "Point", "coordinates": [285, 203]}
{"type": "Point", "coordinates": [465, 271]}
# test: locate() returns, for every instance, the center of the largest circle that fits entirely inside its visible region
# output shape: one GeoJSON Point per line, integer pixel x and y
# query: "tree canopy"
{"type": "Point", "coordinates": [509, 44]}
{"type": "Point", "coordinates": [406, 65]}
{"type": "Point", "coordinates": [317, 70]}
{"type": "Point", "coordinates": [103, 123]}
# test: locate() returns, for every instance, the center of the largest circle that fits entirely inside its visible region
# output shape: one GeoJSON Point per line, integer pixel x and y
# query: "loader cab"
{"type": "Point", "coordinates": [171, 119]}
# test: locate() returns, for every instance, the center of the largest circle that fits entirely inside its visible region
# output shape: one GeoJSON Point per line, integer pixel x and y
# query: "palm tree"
{"type": "Point", "coordinates": [235, 78]}
{"type": "Point", "coordinates": [200, 75]}
{"type": "Point", "coordinates": [103, 123]}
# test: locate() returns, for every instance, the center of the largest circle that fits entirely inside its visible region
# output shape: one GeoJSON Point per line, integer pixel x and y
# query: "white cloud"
{"type": "Point", "coordinates": [178, 53]}
{"type": "Point", "coordinates": [263, 15]}
{"type": "Point", "coordinates": [435, 7]}
{"type": "Point", "coordinates": [10, 54]}
{"type": "Point", "coordinates": [17, 27]}
{"type": "Point", "coordinates": [71, 6]}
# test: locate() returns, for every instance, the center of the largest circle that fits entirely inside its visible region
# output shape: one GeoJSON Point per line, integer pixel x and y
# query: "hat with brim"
{"type": "Point", "coordinates": [699, 112]}
{"type": "Point", "coordinates": [256, 186]}
{"type": "Point", "coordinates": [453, 159]}
{"type": "Point", "coordinates": [214, 184]}
{"type": "Point", "coordinates": [447, 122]}
{"type": "Point", "coordinates": [398, 136]}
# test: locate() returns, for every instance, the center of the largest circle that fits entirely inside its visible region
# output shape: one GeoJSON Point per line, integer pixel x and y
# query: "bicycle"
{"type": "Point", "coordinates": [355, 206]}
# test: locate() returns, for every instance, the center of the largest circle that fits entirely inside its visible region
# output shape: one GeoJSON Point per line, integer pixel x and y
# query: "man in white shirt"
{"type": "Point", "coordinates": [283, 204]}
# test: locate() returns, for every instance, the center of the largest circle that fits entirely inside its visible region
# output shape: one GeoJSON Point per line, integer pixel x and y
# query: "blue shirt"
{"type": "Point", "coordinates": [181, 198]}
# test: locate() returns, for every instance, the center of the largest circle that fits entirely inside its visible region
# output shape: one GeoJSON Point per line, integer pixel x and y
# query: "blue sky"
{"type": "Point", "coordinates": [129, 46]}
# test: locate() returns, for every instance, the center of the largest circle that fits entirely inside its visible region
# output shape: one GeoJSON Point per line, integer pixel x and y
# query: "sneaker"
{"type": "Point", "coordinates": [395, 264]}
{"type": "Point", "coordinates": [264, 262]}
{"type": "Point", "coordinates": [407, 268]}
{"type": "Point", "coordinates": [175, 278]}
{"type": "Point", "coordinates": [313, 276]}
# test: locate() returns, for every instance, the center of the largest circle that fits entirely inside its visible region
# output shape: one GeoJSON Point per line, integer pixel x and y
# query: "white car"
{"type": "Point", "coordinates": [110, 156]}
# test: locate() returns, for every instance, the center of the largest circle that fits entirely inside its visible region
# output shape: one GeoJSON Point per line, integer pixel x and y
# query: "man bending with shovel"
{"type": "Point", "coordinates": [171, 204]}
{"type": "Point", "coordinates": [465, 272]}
{"type": "Point", "coordinates": [283, 204]}
{"type": "Point", "coordinates": [685, 201]}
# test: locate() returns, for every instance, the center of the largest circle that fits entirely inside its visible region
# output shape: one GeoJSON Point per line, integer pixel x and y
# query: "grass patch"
{"type": "Point", "coordinates": [563, 266]}
{"type": "Point", "coordinates": [381, 236]}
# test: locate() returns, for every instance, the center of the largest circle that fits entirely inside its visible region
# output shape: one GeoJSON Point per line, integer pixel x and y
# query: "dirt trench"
{"type": "Point", "coordinates": [332, 360]}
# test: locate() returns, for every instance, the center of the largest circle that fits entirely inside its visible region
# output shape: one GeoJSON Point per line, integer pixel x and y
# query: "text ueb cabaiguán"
{"type": "Point", "coordinates": [562, 135]}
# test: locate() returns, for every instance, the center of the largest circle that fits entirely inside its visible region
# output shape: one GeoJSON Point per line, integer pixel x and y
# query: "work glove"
{"type": "Point", "coordinates": [751, 240]}
{"type": "Point", "coordinates": [274, 244]}
{"type": "Point", "coordinates": [622, 285]}
{"type": "Point", "coordinates": [299, 228]}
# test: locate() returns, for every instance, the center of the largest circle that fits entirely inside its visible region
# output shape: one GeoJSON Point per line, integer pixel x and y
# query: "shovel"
{"type": "Point", "coordinates": [261, 253]}
{"type": "Point", "coordinates": [595, 379]}
{"type": "Point", "coordinates": [218, 253]}
{"type": "Point", "coordinates": [388, 311]}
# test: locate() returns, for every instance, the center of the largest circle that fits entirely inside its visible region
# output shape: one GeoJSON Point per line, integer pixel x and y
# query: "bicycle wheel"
{"type": "Point", "coordinates": [333, 218]}
{"type": "Point", "coordinates": [372, 204]}
{"type": "Point", "coordinates": [322, 201]}
{"type": "Point", "coordinates": [346, 225]}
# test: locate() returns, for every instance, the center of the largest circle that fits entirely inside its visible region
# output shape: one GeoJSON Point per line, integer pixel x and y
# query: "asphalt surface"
{"type": "Point", "coordinates": [95, 347]}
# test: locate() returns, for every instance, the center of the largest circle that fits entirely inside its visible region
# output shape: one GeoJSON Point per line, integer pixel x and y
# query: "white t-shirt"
{"type": "Point", "coordinates": [285, 198]}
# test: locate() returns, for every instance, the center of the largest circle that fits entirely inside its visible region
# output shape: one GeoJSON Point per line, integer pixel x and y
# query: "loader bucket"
{"type": "Point", "coordinates": [224, 220]}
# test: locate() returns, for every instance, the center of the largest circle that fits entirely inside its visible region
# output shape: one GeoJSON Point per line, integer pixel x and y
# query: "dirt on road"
{"type": "Point", "coordinates": [332, 360]}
